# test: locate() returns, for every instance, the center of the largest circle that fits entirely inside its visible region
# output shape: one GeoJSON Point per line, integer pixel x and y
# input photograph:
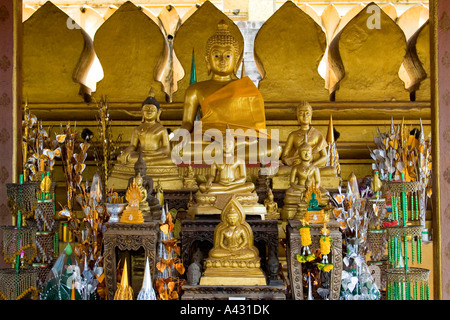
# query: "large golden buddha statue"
{"type": "Point", "coordinates": [228, 177]}
{"type": "Point", "coordinates": [233, 260]}
{"type": "Point", "coordinates": [224, 101]}
{"type": "Point", "coordinates": [150, 140]}
{"type": "Point", "coordinates": [290, 155]}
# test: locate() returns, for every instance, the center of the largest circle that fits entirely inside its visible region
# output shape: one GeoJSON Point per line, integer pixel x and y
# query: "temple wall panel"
{"type": "Point", "coordinates": [288, 49]}
{"type": "Point", "coordinates": [133, 51]}
{"type": "Point", "coordinates": [191, 38]}
{"type": "Point", "coordinates": [130, 47]}
{"type": "Point", "coordinates": [57, 57]}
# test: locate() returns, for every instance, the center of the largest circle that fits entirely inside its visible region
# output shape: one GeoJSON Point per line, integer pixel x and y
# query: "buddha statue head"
{"type": "Point", "coordinates": [140, 167]}
{"type": "Point", "coordinates": [304, 113]}
{"type": "Point", "coordinates": [305, 151]}
{"type": "Point", "coordinates": [151, 109]}
{"type": "Point", "coordinates": [233, 213]}
{"type": "Point", "coordinates": [223, 52]}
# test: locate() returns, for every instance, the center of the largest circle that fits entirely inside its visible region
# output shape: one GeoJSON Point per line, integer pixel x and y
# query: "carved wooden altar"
{"type": "Point", "coordinates": [128, 236]}
{"type": "Point", "coordinates": [264, 231]}
{"type": "Point", "coordinates": [295, 267]}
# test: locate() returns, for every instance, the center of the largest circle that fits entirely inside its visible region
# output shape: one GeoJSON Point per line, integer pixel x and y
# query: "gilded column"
{"type": "Point", "coordinates": [440, 91]}
{"type": "Point", "coordinates": [10, 100]}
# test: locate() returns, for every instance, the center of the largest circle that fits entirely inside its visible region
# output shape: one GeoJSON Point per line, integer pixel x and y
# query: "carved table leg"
{"type": "Point", "coordinates": [336, 273]}
{"type": "Point", "coordinates": [294, 266]}
{"type": "Point", "coordinates": [110, 266]}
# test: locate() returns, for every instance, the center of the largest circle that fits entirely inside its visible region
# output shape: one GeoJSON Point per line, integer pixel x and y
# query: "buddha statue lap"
{"type": "Point", "coordinates": [233, 260]}
{"type": "Point", "coordinates": [290, 156]}
{"type": "Point", "coordinates": [225, 102]}
{"type": "Point", "coordinates": [150, 140]}
{"type": "Point", "coordinates": [227, 178]}
{"type": "Point", "coordinates": [304, 174]}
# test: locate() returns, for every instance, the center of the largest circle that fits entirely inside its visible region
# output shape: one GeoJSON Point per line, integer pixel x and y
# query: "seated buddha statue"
{"type": "Point", "coordinates": [233, 255]}
{"type": "Point", "coordinates": [290, 155]}
{"type": "Point", "coordinates": [140, 168]}
{"type": "Point", "coordinates": [224, 101]}
{"type": "Point", "coordinates": [303, 175]}
{"type": "Point", "coordinates": [231, 175]}
{"type": "Point", "coordinates": [150, 140]}
{"type": "Point", "coordinates": [228, 176]}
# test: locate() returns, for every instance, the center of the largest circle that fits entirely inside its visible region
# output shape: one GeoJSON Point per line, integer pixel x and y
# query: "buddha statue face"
{"type": "Point", "coordinates": [149, 113]}
{"type": "Point", "coordinates": [228, 146]}
{"type": "Point", "coordinates": [139, 180]}
{"type": "Point", "coordinates": [305, 152]}
{"type": "Point", "coordinates": [304, 114]}
{"type": "Point", "coordinates": [232, 217]}
{"type": "Point", "coordinates": [222, 60]}
{"type": "Point", "coordinates": [222, 52]}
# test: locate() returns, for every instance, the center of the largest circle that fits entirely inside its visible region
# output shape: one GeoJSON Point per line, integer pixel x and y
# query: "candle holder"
{"type": "Point", "coordinates": [114, 210]}
{"type": "Point", "coordinates": [44, 245]}
{"type": "Point", "coordinates": [376, 243]}
{"type": "Point", "coordinates": [405, 201]}
{"type": "Point", "coordinates": [15, 285]}
{"type": "Point", "coordinates": [22, 197]}
{"type": "Point", "coordinates": [407, 284]}
{"type": "Point", "coordinates": [45, 215]}
{"type": "Point", "coordinates": [17, 241]}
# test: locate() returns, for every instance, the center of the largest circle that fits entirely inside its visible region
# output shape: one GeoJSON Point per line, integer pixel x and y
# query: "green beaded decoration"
{"type": "Point", "coordinates": [412, 206]}
{"type": "Point", "coordinates": [417, 206]}
{"type": "Point", "coordinates": [419, 250]}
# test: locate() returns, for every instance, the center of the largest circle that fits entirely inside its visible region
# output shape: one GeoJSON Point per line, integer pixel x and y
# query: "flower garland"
{"type": "Point", "coordinates": [325, 248]}
{"type": "Point", "coordinates": [305, 237]}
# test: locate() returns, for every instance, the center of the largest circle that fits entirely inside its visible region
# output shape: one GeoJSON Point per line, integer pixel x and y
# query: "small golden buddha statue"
{"type": "Point", "coordinates": [233, 260]}
{"type": "Point", "coordinates": [228, 177]}
{"type": "Point", "coordinates": [143, 205]}
{"type": "Point", "coordinates": [189, 181]}
{"type": "Point", "coordinates": [290, 156]}
{"type": "Point", "coordinates": [271, 206]}
{"type": "Point", "coordinates": [149, 140]}
{"type": "Point", "coordinates": [132, 214]}
{"type": "Point", "coordinates": [303, 175]}
{"type": "Point", "coordinates": [224, 100]}
{"type": "Point", "coordinates": [231, 175]}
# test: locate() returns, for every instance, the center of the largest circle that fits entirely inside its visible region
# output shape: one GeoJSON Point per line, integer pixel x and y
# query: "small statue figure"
{"type": "Point", "coordinates": [132, 214]}
{"type": "Point", "coordinates": [290, 156]}
{"type": "Point", "coordinates": [271, 206]}
{"type": "Point", "coordinates": [233, 258]}
{"type": "Point", "coordinates": [159, 193]}
{"type": "Point", "coordinates": [313, 203]}
{"type": "Point", "coordinates": [143, 205]}
{"type": "Point", "coordinates": [303, 175]}
{"type": "Point", "coordinates": [194, 271]}
{"type": "Point", "coordinates": [233, 238]}
{"type": "Point", "coordinates": [232, 176]}
{"type": "Point", "coordinates": [189, 181]}
{"type": "Point", "coordinates": [140, 167]}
